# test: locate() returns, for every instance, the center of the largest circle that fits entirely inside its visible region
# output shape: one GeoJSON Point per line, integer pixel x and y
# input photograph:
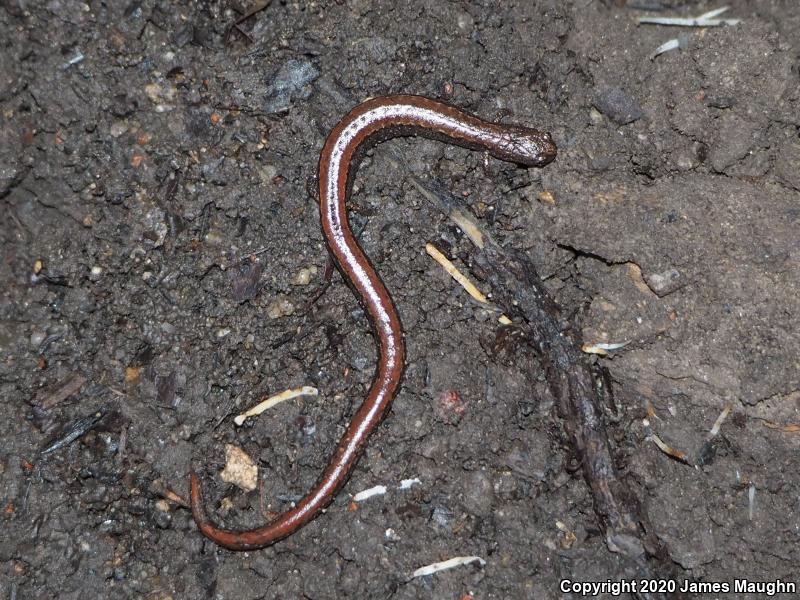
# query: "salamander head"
{"type": "Point", "coordinates": [525, 146]}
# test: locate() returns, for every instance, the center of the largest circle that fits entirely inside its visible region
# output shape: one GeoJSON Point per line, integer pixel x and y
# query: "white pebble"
{"type": "Point", "coordinates": [37, 337]}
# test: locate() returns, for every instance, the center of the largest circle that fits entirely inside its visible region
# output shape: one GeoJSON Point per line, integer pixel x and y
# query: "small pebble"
{"type": "Point", "coordinates": [665, 282]}
{"type": "Point", "coordinates": [160, 93]}
{"type": "Point", "coordinates": [442, 516]}
{"type": "Point", "coordinates": [618, 106]}
{"type": "Point", "coordinates": [163, 520]}
{"type": "Point", "coordinates": [240, 470]}
{"type": "Point", "coordinates": [280, 307]}
{"type": "Point", "coordinates": [118, 128]}
{"type": "Point", "coordinates": [292, 80]}
{"type": "Point", "coordinates": [304, 275]}
{"type": "Point", "coordinates": [37, 337]}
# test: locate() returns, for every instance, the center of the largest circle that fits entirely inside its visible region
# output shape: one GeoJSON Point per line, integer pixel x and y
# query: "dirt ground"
{"type": "Point", "coordinates": [160, 246]}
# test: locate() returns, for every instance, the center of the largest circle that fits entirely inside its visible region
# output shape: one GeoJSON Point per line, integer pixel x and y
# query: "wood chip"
{"type": "Point", "coordinates": [63, 391]}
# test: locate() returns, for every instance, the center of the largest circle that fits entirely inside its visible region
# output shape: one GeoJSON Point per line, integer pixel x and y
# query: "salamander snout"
{"type": "Point", "coordinates": [525, 146]}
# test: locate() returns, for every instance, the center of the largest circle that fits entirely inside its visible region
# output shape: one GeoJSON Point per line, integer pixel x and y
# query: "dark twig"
{"type": "Point", "coordinates": [75, 430]}
{"type": "Point", "coordinates": [326, 283]}
{"type": "Point", "coordinates": [238, 22]}
{"type": "Point", "coordinates": [572, 380]}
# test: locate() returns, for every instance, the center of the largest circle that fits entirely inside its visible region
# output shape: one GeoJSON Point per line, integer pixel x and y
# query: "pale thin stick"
{"type": "Point", "coordinates": [378, 490]}
{"type": "Point", "coordinates": [453, 271]}
{"type": "Point", "coordinates": [407, 483]}
{"type": "Point", "coordinates": [669, 450]}
{"type": "Point", "coordinates": [276, 399]}
{"type": "Point", "coordinates": [704, 20]}
{"type": "Point", "coordinates": [602, 349]}
{"type": "Point", "coordinates": [718, 423]}
{"type": "Point", "coordinates": [447, 564]}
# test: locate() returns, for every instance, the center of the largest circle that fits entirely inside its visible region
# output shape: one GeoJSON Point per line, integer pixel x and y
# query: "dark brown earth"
{"type": "Point", "coordinates": [154, 172]}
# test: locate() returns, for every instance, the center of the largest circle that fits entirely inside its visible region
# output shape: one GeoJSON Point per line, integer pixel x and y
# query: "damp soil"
{"type": "Point", "coordinates": [160, 249]}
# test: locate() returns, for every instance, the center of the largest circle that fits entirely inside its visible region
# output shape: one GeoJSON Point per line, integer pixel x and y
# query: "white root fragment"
{"type": "Point", "coordinates": [704, 20]}
{"type": "Point", "coordinates": [720, 419]}
{"type": "Point", "coordinates": [447, 564]}
{"type": "Point", "coordinates": [407, 483]}
{"type": "Point", "coordinates": [669, 450]}
{"type": "Point", "coordinates": [602, 349]}
{"type": "Point", "coordinates": [673, 44]}
{"type": "Point", "coordinates": [453, 271]}
{"type": "Point", "coordinates": [273, 400]}
{"type": "Point", "coordinates": [461, 279]}
{"type": "Point", "coordinates": [378, 490]}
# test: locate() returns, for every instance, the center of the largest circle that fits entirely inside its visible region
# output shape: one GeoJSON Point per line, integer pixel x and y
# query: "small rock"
{"type": "Point", "coordinates": [137, 506]}
{"type": "Point", "coordinates": [162, 95]}
{"type": "Point", "coordinates": [304, 275]}
{"type": "Point", "coordinates": [118, 128]}
{"type": "Point", "coordinates": [720, 101]}
{"type": "Point", "coordinates": [618, 106]}
{"type": "Point", "coordinates": [665, 282]}
{"type": "Point", "coordinates": [360, 363]}
{"type": "Point", "coordinates": [163, 520]}
{"type": "Point", "coordinates": [240, 470]}
{"type": "Point", "coordinates": [280, 307]}
{"type": "Point", "coordinates": [530, 459]}
{"type": "Point", "coordinates": [465, 21]}
{"type": "Point", "coordinates": [37, 337]}
{"type": "Point", "coordinates": [443, 517]}
{"type": "Point", "coordinates": [291, 81]}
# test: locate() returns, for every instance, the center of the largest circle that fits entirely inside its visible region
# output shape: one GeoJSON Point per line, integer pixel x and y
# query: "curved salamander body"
{"type": "Point", "coordinates": [378, 118]}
